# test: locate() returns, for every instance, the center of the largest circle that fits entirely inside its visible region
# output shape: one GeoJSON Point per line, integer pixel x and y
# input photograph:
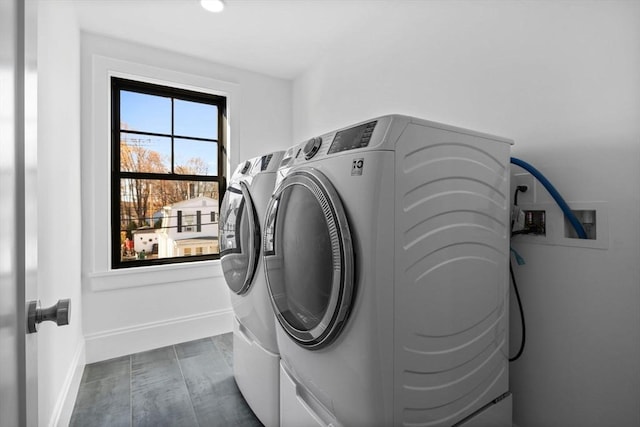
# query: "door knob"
{"type": "Point", "coordinates": [59, 313]}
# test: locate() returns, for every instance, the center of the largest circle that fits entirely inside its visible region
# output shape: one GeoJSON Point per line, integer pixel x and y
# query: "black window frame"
{"type": "Point", "coordinates": [117, 85]}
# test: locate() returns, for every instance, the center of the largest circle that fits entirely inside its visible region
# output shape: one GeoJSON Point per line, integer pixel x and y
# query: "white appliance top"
{"type": "Point", "coordinates": [267, 163]}
{"type": "Point", "coordinates": [380, 133]}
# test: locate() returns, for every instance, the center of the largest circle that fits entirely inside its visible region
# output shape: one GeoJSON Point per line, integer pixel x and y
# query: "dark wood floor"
{"type": "Point", "coordinates": [188, 384]}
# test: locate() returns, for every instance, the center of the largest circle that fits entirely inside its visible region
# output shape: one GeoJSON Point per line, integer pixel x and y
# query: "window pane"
{"type": "Point", "coordinates": [195, 119]}
{"type": "Point", "coordinates": [167, 219]}
{"type": "Point", "coordinates": [143, 153]}
{"type": "Point", "coordinates": [145, 113]}
{"type": "Point", "coordinates": [195, 157]}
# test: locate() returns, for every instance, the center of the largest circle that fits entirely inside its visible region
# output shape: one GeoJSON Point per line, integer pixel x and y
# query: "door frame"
{"type": "Point", "coordinates": [18, 204]}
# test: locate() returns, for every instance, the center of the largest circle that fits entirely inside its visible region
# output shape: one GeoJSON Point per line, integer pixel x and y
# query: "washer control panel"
{"type": "Point", "coordinates": [358, 136]}
{"type": "Point", "coordinates": [264, 161]}
{"type": "Point", "coordinates": [352, 138]}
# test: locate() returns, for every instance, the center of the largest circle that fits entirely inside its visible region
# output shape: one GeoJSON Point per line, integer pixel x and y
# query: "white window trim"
{"type": "Point", "coordinates": [96, 153]}
{"type": "Point", "coordinates": [124, 278]}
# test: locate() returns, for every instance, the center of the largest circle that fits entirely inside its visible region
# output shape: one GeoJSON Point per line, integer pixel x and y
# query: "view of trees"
{"type": "Point", "coordinates": [141, 198]}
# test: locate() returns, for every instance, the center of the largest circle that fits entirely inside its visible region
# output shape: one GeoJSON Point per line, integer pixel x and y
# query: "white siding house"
{"type": "Point", "coordinates": [188, 228]}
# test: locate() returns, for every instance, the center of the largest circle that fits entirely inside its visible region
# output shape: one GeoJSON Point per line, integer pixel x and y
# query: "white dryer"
{"type": "Point", "coordinates": [386, 255]}
{"type": "Point", "coordinates": [255, 350]}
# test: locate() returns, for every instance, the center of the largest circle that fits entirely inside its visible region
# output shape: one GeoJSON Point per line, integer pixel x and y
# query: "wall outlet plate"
{"type": "Point", "coordinates": [555, 225]}
{"type": "Point", "coordinates": [589, 221]}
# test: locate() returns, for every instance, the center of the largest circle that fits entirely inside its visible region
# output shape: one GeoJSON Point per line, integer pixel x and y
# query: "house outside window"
{"type": "Point", "coordinates": [167, 173]}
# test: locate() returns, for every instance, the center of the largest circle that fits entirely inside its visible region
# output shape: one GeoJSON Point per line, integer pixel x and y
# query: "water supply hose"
{"type": "Point", "coordinates": [554, 193]}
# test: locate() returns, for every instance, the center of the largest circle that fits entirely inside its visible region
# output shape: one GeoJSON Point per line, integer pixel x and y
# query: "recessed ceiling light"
{"type": "Point", "coordinates": [213, 5]}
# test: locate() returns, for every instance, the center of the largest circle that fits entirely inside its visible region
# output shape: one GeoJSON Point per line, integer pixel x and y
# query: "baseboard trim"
{"type": "Point", "coordinates": [63, 408]}
{"type": "Point", "coordinates": [120, 342]}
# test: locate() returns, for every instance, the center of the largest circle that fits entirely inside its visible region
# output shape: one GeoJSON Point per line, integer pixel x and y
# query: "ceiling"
{"type": "Point", "coordinates": [280, 38]}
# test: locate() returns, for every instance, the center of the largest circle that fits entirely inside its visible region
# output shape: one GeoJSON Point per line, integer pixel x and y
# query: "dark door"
{"type": "Point", "coordinates": [239, 238]}
{"type": "Point", "coordinates": [308, 258]}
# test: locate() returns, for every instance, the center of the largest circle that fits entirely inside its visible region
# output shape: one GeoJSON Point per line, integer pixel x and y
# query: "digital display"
{"type": "Point", "coordinates": [352, 138]}
{"type": "Point", "coordinates": [264, 162]}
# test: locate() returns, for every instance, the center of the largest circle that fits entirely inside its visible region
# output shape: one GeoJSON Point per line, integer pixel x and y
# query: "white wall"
{"type": "Point", "coordinates": [60, 349]}
{"type": "Point", "coordinates": [132, 310]}
{"type": "Point", "coordinates": [561, 79]}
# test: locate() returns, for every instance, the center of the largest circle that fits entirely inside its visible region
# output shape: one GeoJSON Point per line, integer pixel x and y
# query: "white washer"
{"type": "Point", "coordinates": [255, 350]}
{"type": "Point", "coordinates": [386, 256]}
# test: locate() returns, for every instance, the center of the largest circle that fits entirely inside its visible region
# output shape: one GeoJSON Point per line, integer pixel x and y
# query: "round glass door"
{"type": "Point", "coordinates": [239, 238]}
{"type": "Point", "coordinates": [308, 258]}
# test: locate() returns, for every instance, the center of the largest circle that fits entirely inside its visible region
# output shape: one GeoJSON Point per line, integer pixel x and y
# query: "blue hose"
{"type": "Point", "coordinates": [519, 258]}
{"type": "Point", "coordinates": [554, 193]}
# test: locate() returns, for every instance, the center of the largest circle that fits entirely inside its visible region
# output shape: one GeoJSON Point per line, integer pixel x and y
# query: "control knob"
{"type": "Point", "coordinates": [245, 167]}
{"type": "Point", "coordinates": [311, 147]}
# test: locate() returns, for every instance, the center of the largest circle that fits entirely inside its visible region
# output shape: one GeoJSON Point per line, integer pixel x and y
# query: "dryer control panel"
{"type": "Point", "coordinates": [352, 138]}
{"type": "Point", "coordinates": [366, 135]}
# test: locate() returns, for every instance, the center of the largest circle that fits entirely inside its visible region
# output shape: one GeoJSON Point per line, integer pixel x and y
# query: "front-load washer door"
{"type": "Point", "coordinates": [239, 238]}
{"type": "Point", "coordinates": [308, 258]}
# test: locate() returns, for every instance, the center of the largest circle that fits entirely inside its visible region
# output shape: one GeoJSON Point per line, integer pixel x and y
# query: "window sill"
{"type": "Point", "coordinates": [153, 275]}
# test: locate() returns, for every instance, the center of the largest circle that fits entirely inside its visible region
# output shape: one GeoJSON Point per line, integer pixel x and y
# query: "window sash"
{"type": "Point", "coordinates": [117, 175]}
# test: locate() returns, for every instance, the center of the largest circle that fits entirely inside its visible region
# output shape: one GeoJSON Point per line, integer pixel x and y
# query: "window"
{"type": "Point", "coordinates": [167, 173]}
